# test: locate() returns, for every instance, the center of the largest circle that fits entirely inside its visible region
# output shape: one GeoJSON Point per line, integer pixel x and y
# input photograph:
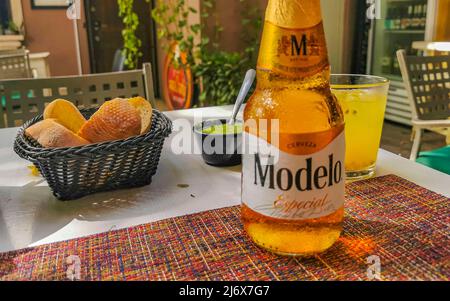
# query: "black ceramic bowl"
{"type": "Point", "coordinates": [219, 149]}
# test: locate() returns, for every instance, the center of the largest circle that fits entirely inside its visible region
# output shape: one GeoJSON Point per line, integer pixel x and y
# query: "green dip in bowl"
{"type": "Point", "coordinates": [223, 129]}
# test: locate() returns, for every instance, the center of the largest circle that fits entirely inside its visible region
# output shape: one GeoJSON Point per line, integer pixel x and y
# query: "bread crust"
{"type": "Point", "coordinates": [145, 111]}
{"type": "Point", "coordinates": [116, 119]}
{"type": "Point", "coordinates": [50, 134]}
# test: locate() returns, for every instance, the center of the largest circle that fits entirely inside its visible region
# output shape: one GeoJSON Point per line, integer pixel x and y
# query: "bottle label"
{"type": "Point", "coordinates": [301, 178]}
{"type": "Point", "coordinates": [293, 51]}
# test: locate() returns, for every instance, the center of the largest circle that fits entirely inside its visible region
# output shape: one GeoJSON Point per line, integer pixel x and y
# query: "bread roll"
{"type": "Point", "coordinates": [66, 113]}
{"type": "Point", "coordinates": [50, 134]}
{"type": "Point", "coordinates": [145, 111]}
{"type": "Point", "coordinates": [116, 119]}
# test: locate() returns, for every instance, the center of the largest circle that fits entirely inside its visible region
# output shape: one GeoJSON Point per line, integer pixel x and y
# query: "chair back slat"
{"type": "Point", "coordinates": [24, 99]}
{"type": "Point", "coordinates": [15, 64]}
{"type": "Point", "coordinates": [427, 80]}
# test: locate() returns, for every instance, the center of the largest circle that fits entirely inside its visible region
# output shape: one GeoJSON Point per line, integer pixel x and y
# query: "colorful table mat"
{"type": "Point", "coordinates": [393, 230]}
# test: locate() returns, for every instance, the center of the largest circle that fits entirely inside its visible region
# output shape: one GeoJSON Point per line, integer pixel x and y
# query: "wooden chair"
{"type": "Point", "coordinates": [26, 98]}
{"type": "Point", "coordinates": [427, 81]}
{"type": "Point", "coordinates": [15, 64]}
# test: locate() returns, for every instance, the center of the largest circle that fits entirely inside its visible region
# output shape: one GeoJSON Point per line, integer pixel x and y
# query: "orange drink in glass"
{"type": "Point", "coordinates": [363, 99]}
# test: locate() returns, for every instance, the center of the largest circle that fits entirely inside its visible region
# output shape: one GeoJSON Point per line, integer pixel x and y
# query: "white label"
{"type": "Point", "coordinates": [296, 187]}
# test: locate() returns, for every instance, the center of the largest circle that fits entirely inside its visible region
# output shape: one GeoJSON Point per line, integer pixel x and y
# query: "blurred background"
{"type": "Point", "coordinates": [199, 50]}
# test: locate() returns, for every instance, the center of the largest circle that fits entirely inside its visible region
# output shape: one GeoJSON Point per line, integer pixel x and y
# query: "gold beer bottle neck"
{"type": "Point", "coordinates": [294, 14]}
{"type": "Point", "coordinates": [293, 48]}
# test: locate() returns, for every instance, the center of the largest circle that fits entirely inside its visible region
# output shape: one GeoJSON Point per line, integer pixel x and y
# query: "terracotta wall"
{"type": "Point", "coordinates": [161, 53]}
{"type": "Point", "coordinates": [228, 14]}
{"type": "Point", "coordinates": [338, 24]}
{"type": "Point", "coordinates": [442, 24]}
{"type": "Point", "coordinates": [52, 31]}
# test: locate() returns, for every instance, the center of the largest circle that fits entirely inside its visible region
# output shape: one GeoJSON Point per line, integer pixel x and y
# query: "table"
{"type": "Point", "coordinates": [31, 216]}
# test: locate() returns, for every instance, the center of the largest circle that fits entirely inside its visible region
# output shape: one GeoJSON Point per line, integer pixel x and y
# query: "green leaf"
{"type": "Point", "coordinates": [208, 4]}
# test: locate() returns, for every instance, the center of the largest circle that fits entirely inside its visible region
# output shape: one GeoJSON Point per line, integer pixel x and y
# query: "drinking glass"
{"type": "Point", "coordinates": [363, 99]}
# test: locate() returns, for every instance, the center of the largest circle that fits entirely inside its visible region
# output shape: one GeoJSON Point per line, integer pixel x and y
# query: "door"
{"type": "Point", "coordinates": [104, 27]}
{"type": "Point", "coordinates": [4, 15]}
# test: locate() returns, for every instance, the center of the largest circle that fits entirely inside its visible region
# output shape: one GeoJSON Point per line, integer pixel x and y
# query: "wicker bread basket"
{"type": "Point", "coordinates": [75, 172]}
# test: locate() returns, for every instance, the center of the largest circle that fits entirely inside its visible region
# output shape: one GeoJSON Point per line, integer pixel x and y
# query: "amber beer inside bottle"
{"type": "Point", "coordinates": [293, 87]}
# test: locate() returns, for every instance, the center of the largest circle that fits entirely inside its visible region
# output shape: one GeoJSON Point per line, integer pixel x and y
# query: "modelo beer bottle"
{"type": "Point", "coordinates": [293, 194]}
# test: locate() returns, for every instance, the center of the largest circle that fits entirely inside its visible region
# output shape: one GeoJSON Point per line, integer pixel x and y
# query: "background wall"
{"type": "Point", "coordinates": [51, 31]}
{"type": "Point", "coordinates": [161, 53]}
{"type": "Point", "coordinates": [16, 12]}
{"type": "Point", "coordinates": [338, 24]}
{"type": "Point", "coordinates": [338, 19]}
{"type": "Point", "coordinates": [442, 25]}
{"type": "Point", "coordinates": [229, 14]}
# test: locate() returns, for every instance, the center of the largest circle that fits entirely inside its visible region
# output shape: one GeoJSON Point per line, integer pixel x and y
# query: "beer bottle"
{"type": "Point", "coordinates": [293, 162]}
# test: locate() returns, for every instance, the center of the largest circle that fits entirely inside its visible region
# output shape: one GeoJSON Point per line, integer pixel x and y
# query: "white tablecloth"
{"type": "Point", "coordinates": [30, 215]}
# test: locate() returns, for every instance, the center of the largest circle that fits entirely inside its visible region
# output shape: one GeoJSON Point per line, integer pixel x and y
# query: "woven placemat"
{"type": "Point", "coordinates": [393, 229]}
